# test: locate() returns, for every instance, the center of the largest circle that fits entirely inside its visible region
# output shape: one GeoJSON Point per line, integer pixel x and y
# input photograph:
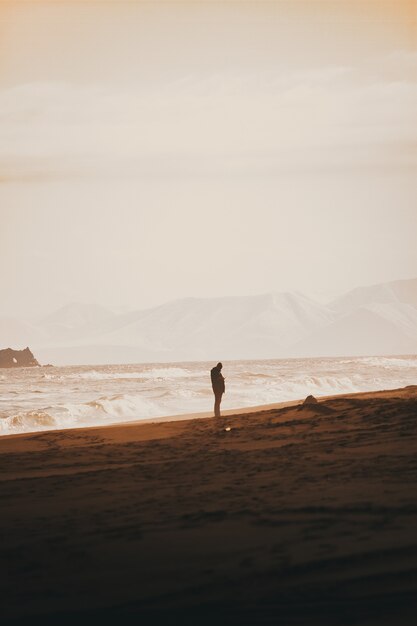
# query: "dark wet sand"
{"type": "Point", "coordinates": [295, 516]}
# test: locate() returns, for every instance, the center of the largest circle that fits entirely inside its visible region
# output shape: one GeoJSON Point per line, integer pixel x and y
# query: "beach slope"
{"type": "Point", "coordinates": [294, 515]}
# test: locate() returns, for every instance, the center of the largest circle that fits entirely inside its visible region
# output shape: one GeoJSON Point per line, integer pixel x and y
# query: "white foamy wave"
{"type": "Point", "coordinates": [330, 384]}
{"type": "Point", "coordinates": [168, 372]}
{"type": "Point", "coordinates": [94, 375]}
{"type": "Point", "coordinates": [390, 362]}
{"type": "Point", "coordinates": [119, 406]}
{"type": "Point", "coordinates": [161, 373]}
{"type": "Point", "coordinates": [104, 410]}
{"type": "Point", "coordinates": [28, 422]}
{"type": "Point", "coordinates": [282, 390]}
{"type": "Point", "coordinates": [297, 387]}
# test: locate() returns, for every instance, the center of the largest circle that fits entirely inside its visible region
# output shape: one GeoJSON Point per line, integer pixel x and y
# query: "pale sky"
{"type": "Point", "coordinates": [158, 150]}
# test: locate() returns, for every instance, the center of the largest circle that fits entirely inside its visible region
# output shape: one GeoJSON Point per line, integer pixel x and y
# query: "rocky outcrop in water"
{"type": "Point", "coordinates": [17, 358]}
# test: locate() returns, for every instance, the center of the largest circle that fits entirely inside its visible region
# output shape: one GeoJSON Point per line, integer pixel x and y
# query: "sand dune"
{"type": "Point", "coordinates": [296, 515]}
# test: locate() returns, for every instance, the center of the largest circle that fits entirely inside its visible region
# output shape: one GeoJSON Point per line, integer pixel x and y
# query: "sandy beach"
{"type": "Point", "coordinates": [285, 515]}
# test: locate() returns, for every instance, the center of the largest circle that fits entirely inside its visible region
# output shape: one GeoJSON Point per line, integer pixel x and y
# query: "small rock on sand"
{"type": "Point", "coordinates": [310, 400]}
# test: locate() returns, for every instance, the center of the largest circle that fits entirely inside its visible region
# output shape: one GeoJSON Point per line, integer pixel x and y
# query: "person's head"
{"type": "Point", "coordinates": [219, 366]}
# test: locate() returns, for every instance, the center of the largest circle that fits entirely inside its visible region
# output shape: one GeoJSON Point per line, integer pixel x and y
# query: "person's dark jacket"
{"type": "Point", "coordinates": [217, 380]}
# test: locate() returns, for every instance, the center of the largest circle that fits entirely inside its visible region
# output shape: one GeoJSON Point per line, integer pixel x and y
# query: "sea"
{"type": "Point", "coordinates": [48, 398]}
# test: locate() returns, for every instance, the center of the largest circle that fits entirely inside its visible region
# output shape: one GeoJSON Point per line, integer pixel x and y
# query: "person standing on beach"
{"type": "Point", "coordinates": [217, 382]}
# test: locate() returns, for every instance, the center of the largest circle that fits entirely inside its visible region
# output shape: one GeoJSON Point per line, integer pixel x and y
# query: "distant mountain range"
{"type": "Point", "coordinates": [374, 320]}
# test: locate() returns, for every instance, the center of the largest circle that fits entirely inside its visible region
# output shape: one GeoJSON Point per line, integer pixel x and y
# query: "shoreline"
{"type": "Point", "coordinates": [181, 417]}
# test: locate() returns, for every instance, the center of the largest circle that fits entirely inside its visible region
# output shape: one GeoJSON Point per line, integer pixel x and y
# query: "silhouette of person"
{"type": "Point", "coordinates": [217, 382]}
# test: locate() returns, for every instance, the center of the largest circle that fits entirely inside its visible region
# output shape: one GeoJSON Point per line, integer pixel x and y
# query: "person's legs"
{"type": "Point", "coordinates": [217, 401]}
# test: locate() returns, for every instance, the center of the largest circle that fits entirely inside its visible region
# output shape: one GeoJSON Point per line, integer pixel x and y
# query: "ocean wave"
{"type": "Point", "coordinates": [281, 389]}
{"type": "Point", "coordinates": [168, 373]}
{"type": "Point", "coordinates": [94, 375]}
{"type": "Point", "coordinates": [390, 362]}
{"type": "Point", "coordinates": [330, 383]}
{"type": "Point", "coordinates": [103, 410]}
{"type": "Point", "coordinates": [256, 375]}
{"type": "Point", "coordinates": [27, 422]}
{"type": "Point", "coordinates": [161, 373]}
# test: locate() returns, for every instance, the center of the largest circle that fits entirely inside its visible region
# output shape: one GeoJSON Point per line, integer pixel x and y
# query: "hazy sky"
{"type": "Point", "coordinates": [156, 150]}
